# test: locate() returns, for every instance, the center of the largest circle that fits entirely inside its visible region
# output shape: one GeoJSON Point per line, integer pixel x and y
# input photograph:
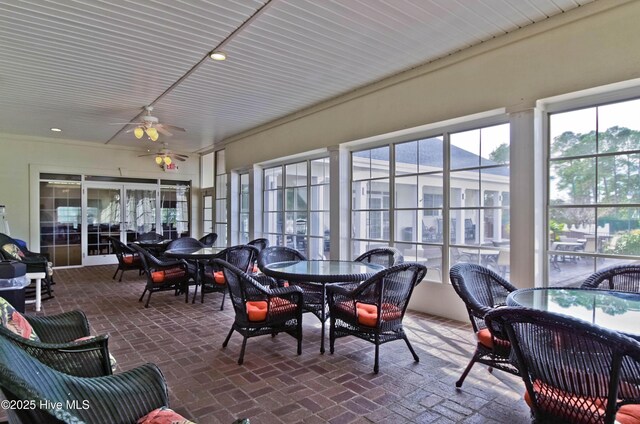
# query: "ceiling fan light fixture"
{"type": "Point", "coordinates": [152, 133]}
{"type": "Point", "coordinates": [56, 129]}
{"type": "Point", "coordinates": [218, 55]}
{"type": "Point", "coordinates": [159, 160]}
{"type": "Point", "coordinates": [138, 132]}
{"type": "Point", "coordinates": [167, 160]}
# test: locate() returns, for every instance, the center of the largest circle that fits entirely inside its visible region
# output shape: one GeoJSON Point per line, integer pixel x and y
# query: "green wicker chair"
{"type": "Point", "coordinates": [58, 344]}
{"type": "Point", "coordinates": [60, 398]}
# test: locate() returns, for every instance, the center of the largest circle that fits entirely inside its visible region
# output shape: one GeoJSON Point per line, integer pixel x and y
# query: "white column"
{"type": "Point", "coordinates": [340, 195]}
{"type": "Point", "coordinates": [527, 197]}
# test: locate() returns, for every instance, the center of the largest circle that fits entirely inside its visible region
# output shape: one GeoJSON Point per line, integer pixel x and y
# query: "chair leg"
{"type": "Point", "coordinates": [376, 366]}
{"type": "Point", "coordinates": [244, 345]}
{"type": "Point", "coordinates": [195, 292]}
{"type": "Point", "coordinates": [148, 299]}
{"type": "Point", "coordinates": [121, 274]}
{"type": "Point", "coordinates": [332, 334]}
{"type": "Point", "coordinates": [224, 294]}
{"type": "Point", "coordinates": [116, 273]}
{"type": "Point", "coordinates": [413, 352]}
{"type": "Point", "coordinates": [226, 341]}
{"type": "Point", "coordinates": [143, 293]}
{"type": "Point", "coordinates": [299, 334]}
{"type": "Point", "coordinates": [476, 355]}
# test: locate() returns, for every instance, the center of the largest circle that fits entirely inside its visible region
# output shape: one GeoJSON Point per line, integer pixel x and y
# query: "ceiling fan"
{"type": "Point", "coordinates": [165, 156]}
{"type": "Point", "coordinates": [150, 125]}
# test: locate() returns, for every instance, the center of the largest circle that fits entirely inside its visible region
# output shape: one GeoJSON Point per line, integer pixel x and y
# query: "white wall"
{"type": "Point", "coordinates": [23, 158]}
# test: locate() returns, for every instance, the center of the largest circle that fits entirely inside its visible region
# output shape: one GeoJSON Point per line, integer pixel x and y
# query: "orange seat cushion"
{"type": "Point", "coordinates": [368, 313]}
{"type": "Point", "coordinates": [574, 407]}
{"type": "Point", "coordinates": [257, 309]}
{"type": "Point", "coordinates": [167, 274]}
{"type": "Point", "coordinates": [164, 415]}
{"type": "Point", "coordinates": [218, 277]}
{"type": "Point", "coordinates": [486, 339]}
{"type": "Point", "coordinates": [255, 269]}
{"type": "Point", "coordinates": [129, 259]}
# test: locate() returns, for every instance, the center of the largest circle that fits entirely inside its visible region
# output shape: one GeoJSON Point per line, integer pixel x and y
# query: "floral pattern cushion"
{"type": "Point", "coordinates": [112, 360]}
{"type": "Point", "coordinates": [164, 415]}
{"type": "Point", "coordinates": [14, 321]}
{"type": "Point", "coordinates": [13, 251]}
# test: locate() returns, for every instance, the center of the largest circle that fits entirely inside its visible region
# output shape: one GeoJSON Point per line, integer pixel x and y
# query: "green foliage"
{"type": "Point", "coordinates": [500, 154]}
{"type": "Point", "coordinates": [556, 228]}
{"type": "Point", "coordinates": [626, 244]}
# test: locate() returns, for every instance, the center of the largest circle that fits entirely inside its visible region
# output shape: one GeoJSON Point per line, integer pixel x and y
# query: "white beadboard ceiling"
{"type": "Point", "coordinates": [82, 64]}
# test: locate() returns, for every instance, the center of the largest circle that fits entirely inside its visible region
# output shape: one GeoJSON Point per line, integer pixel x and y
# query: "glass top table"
{"type": "Point", "coordinates": [322, 273]}
{"type": "Point", "coordinates": [614, 310]}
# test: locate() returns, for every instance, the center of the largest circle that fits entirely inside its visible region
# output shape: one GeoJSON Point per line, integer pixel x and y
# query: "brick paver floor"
{"type": "Point", "coordinates": [275, 385]}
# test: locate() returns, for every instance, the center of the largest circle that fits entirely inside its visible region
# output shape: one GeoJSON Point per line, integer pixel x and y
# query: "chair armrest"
{"type": "Point", "coordinates": [345, 291]}
{"type": "Point", "coordinates": [60, 328]}
{"type": "Point", "coordinates": [282, 291]}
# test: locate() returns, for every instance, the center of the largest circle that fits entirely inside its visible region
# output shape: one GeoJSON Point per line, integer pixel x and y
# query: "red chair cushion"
{"type": "Point", "coordinates": [578, 408]}
{"type": "Point", "coordinates": [129, 259]}
{"type": "Point", "coordinates": [368, 313]}
{"type": "Point", "coordinates": [164, 415]}
{"type": "Point", "coordinates": [257, 309]}
{"type": "Point", "coordinates": [218, 277]}
{"type": "Point", "coordinates": [486, 339]}
{"type": "Point", "coordinates": [167, 274]}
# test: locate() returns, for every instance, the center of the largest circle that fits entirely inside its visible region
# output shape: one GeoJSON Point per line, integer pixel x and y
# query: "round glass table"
{"type": "Point", "coordinates": [322, 273]}
{"type": "Point", "coordinates": [614, 310]}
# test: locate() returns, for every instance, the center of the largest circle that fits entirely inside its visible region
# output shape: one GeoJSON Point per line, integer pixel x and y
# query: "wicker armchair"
{"type": "Point", "coordinates": [385, 256]}
{"type": "Point", "coordinates": [151, 236]}
{"type": "Point", "coordinates": [482, 290]}
{"type": "Point", "coordinates": [261, 310]}
{"type": "Point", "coordinates": [573, 371]}
{"type": "Point", "coordinates": [60, 398]}
{"type": "Point", "coordinates": [620, 277]}
{"type": "Point", "coordinates": [259, 243]}
{"type": "Point", "coordinates": [374, 310]}
{"type": "Point", "coordinates": [128, 259]}
{"type": "Point", "coordinates": [214, 281]}
{"type": "Point", "coordinates": [209, 239]}
{"type": "Point", "coordinates": [163, 274]}
{"type": "Point", "coordinates": [35, 262]}
{"type": "Point", "coordinates": [59, 347]}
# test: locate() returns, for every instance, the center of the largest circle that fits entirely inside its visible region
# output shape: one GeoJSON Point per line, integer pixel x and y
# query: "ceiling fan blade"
{"type": "Point", "coordinates": [173, 127]}
{"type": "Point", "coordinates": [126, 123]}
{"type": "Point", "coordinates": [150, 154]}
{"type": "Point", "coordinates": [162, 130]}
{"type": "Point", "coordinates": [178, 158]}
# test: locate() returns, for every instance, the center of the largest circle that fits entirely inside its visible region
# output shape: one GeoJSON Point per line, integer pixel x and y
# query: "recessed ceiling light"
{"type": "Point", "coordinates": [218, 55]}
{"type": "Point", "coordinates": [56, 130]}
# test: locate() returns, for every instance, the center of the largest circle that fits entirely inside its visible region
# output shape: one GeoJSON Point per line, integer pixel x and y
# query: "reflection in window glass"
{"type": "Point", "coordinates": [243, 219]}
{"type": "Point", "coordinates": [61, 221]}
{"type": "Point", "coordinates": [594, 199]}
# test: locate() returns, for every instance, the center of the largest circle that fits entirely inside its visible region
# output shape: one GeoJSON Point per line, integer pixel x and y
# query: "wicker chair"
{"type": "Point", "coordinates": [59, 346]}
{"type": "Point", "coordinates": [128, 259]}
{"type": "Point", "coordinates": [573, 371]}
{"type": "Point", "coordinates": [385, 256]}
{"type": "Point", "coordinates": [356, 312]}
{"type": "Point", "coordinates": [483, 290]}
{"type": "Point", "coordinates": [60, 398]}
{"type": "Point", "coordinates": [259, 243]}
{"type": "Point", "coordinates": [163, 274]}
{"type": "Point", "coordinates": [35, 262]}
{"type": "Point", "coordinates": [241, 256]}
{"type": "Point", "coordinates": [209, 239]}
{"type": "Point", "coordinates": [621, 277]}
{"type": "Point", "coordinates": [261, 310]}
{"type": "Point", "coordinates": [151, 236]}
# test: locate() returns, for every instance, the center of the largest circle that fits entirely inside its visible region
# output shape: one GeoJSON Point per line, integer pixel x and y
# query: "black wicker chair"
{"type": "Point", "coordinates": [128, 259]}
{"type": "Point", "coordinates": [59, 346]}
{"type": "Point", "coordinates": [260, 244]}
{"type": "Point", "coordinates": [620, 277]}
{"type": "Point", "coordinates": [209, 239]}
{"type": "Point", "coordinates": [374, 310]}
{"type": "Point", "coordinates": [50, 396]}
{"type": "Point", "coordinates": [482, 290]}
{"type": "Point", "coordinates": [163, 274]}
{"type": "Point", "coordinates": [214, 281]}
{"type": "Point", "coordinates": [385, 256]}
{"type": "Point", "coordinates": [261, 310]}
{"type": "Point", "coordinates": [35, 262]}
{"type": "Point", "coordinates": [151, 236]}
{"type": "Point", "coordinates": [573, 371]}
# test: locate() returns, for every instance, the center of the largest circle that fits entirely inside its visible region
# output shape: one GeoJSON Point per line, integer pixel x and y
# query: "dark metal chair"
{"type": "Point", "coordinates": [482, 290]}
{"type": "Point", "coordinates": [50, 396]}
{"type": "Point", "coordinates": [573, 371]}
{"type": "Point", "coordinates": [261, 310]}
{"type": "Point", "coordinates": [620, 277]}
{"type": "Point", "coordinates": [185, 243]}
{"type": "Point", "coordinates": [214, 281]}
{"type": "Point", "coordinates": [374, 310]}
{"type": "Point", "coordinates": [58, 343]}
{"type": "Point", "coordinates": [163, 274]}
{"type": "Point", "coordinates": [385, 256]}
{"type": "Point", "coordinates": [128, 259]}
{"type": "Point", "coordinates": [209, 239]}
